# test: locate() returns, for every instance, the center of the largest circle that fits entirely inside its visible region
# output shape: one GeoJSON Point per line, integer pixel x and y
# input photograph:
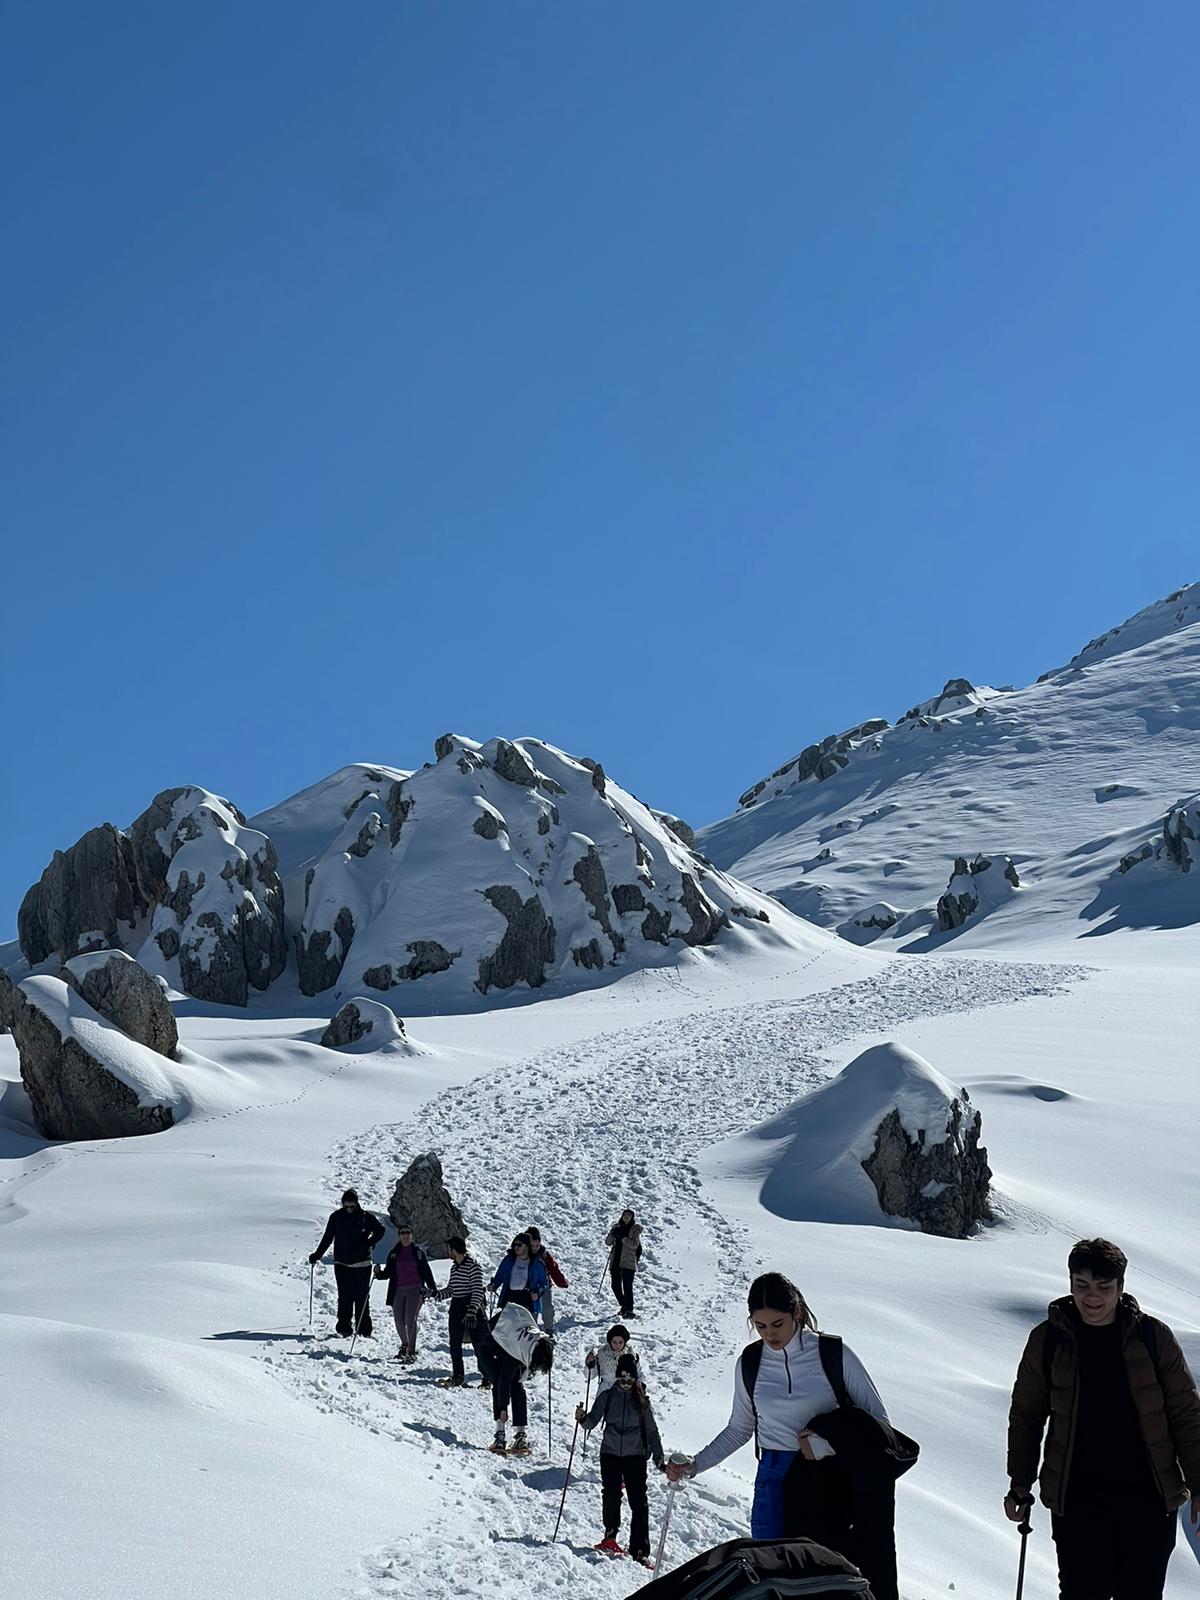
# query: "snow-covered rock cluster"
{"type": "Point", "coordinates": [1177, 844]}
{"type": "Point", "coordinates": [363, 1025]}
{"type": "Point", "coordinates": [888, 1138]}
{"type": "Point", "coordinates": [190, 889]}
{"type": "Point", "coordinates": [976, 885]}
{"type": "Point", "coordinates": [503, 864]}
{"type": "Point", "coordinates": [94, 1047]}
{"type": "Point", "coordinates": [818, 761]}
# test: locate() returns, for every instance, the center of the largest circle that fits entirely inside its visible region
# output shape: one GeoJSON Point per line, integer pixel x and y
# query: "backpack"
{"type": "Point", "coordinates": [892, 1452]}
{"type": "Point", "coordinates": [758, 1568]}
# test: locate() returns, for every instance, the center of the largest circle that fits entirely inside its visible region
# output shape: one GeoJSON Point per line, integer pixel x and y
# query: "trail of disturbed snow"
{"type": "Point", "coordinates": [566, 1138]}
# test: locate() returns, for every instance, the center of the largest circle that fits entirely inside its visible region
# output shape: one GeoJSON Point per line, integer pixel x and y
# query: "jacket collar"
{"type": "Point", "coordinates": [1065, 1318]}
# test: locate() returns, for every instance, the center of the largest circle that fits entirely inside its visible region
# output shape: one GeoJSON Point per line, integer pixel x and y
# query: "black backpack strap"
{"type": "Point", "coordinates": [829, 1347]}
{"type": "Point", "coordinates": [751, 1360]}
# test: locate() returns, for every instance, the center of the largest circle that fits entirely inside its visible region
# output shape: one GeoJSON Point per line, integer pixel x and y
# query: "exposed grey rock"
{"type": "Point", "coordinates": [685, 834]}
{"type": "Point", "coordinates": [588, 873]}
{"type": "Point", "coordinates": [588, 955]}
{"type": "Point", "coordinates": [88, 898]}
{"type": "Point", "coordinates": [1181, 836]}
{"type": "Point", "coordinates": [427, 956]}
{"type": "Point", "coordinates": [543, 823]}
{"type": "Point", "coordinates": [72, 1093]}
{"type": "Point", "coordinates": [628, 897]}
{"type": "Point", "coordinates": [489, 825]}
{"type": "Point", "coordinates": [358, 1020]}
{"type": "Point", "coordinates": [943, 1187]}
{"type": "Point", "coordinates": [707, 921]}
{"type": "Point", "coordinates": [526, 949]}
{"type": "Point", "coordinates": [656, 926]}
{"type": "Point", "coordinates": [120, 989]}
{"type": "Point", "coordinates": [1135, 857]}
{"type": "Point", "coordinates": [962, 897]}
{"type": "Point", "coordinates": [444, 746]}
{"type": "Point", "coordinates": [367, 835]}
{"type": "Point", "coordinates": [749, 913]}
{"type": "Point", "coordinates": [821, 760]}
{"type": "Point", "coordinates": [8, 1002]}
{"type": "Point", "coordinates": [321, 955]}
{"type": "Point", "coordinates": [399, 804]}
{"type": "Point", "coordinates": [512, 764]}
{"type": "Point", "coordinates": [422, 1200]}
{"type": "Point", "coordinates": [348, 811]}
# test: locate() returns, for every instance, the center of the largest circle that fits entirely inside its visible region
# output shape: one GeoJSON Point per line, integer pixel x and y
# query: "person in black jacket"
{"type": "Point", "coordinates": [410, 1283]}
{"type": "Point", "coordinates": [630, 1436]}
{"type": "Point", "coordinates": [354, 1233]}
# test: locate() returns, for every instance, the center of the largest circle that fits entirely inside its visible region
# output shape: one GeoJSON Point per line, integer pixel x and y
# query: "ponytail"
{"type": "Point", "coordinates": [773, 1292]}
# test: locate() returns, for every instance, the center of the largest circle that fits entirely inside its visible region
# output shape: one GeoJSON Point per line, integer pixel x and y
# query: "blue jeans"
{"type": "Point", "coordinates": [766, 1514]}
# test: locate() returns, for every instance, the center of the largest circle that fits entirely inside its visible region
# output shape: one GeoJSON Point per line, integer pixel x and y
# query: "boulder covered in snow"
{"type": "Point", "coordinates": [85, 1078]}
{"type": "Point", "coordinates": [507, 865]}
{"type": "Point", "coordinates": [975, 886]}
{"type": "Point", "coordinates": [120, 989]}
{"type": "Point", "coordinates": [888, 1141]}
{"type": "Point", "coordinates": [189, 889]}
{"type": "Point", "coordinates": [422, 1201]}
{"type": "Point", "coordinates": [867, 925]}
{"type": "Point", "coordinates": [363, 1024]}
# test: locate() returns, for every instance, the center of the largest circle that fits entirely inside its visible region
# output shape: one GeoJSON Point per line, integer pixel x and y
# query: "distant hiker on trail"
{"type": "Point", "coordinates": [784, 1397]}
{"type": "Point", "coordinates": [520, 1279]}
{"type": "Point", "coordinates": [1123, 1449]}
{"type": "Point", "coordinates": [603, 1359]}
{"type": "Point", "coordinates": [465, 1294]}
{"type": "Point", "coordinates": [630, 1436]}
{"type": "Point", "coordinates": [410, 1279]}
{"type": "Point", "coordinates": [506, 1352]}
{"type": "Point", "coordinates": [554, 1274]}
{"type": "Point", "coordinates": [354, 1233]}
{"type": "Point", "coordinates": [624, 1241]}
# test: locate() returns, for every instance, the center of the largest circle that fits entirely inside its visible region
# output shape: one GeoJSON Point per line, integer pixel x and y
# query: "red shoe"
{"type": "Point", "coordinates": [609, 1546]}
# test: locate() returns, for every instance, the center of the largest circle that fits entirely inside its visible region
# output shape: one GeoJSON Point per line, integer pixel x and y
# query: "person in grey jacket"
{"type": "Point", "coordinates": [624, 1241]}
{"type": "Point", "coordinates": [630, 1437]}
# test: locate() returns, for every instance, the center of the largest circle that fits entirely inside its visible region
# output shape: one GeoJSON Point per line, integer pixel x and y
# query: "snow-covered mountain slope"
{"type": "Point", "coordinates": [1068, 778]}
{"type": "Point", "coordinates": [510, 866]}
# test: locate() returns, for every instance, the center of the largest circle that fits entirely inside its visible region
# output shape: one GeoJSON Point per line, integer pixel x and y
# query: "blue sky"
{"type": "Point", "coordinates": [678, 383]}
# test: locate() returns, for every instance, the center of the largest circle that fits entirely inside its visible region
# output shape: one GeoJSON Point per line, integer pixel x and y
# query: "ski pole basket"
{"type": "Point", "coordinates": [760, 1569]}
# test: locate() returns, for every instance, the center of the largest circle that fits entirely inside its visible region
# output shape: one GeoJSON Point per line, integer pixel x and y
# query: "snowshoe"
{"type": "Point", "coordinates": [452, 1383]}
{"type": "Point", "coordinates": [520, 1444]}
{"type": "Point", "coordinates": [608, 1546]}
{"type": "Point", "coordinates": [498, 1446]}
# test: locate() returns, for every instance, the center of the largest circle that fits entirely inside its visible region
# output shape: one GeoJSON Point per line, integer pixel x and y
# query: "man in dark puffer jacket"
{"type": "Point", "coordinates": [353, 1233]}
{"type": "Point", "coordinates": [1123, 1450]}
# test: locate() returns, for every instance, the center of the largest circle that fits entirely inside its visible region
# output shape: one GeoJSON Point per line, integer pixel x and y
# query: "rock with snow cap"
{"type": "Point", "coordinates": [119, 988]}
{"type": "Point", "coordinates": [975, 885]}
{"type": "Point", "coordinates": [363, 1024]}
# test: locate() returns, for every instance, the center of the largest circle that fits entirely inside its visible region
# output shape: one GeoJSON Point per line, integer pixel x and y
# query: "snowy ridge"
{"type": "Point", "coordinates": [1064, 778]}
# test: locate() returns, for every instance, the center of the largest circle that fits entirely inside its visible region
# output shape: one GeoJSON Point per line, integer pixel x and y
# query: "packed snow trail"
{"type": "Point", "coordinates": [565, 1139]}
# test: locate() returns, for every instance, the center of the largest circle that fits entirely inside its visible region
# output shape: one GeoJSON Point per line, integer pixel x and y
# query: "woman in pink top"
{"type": "Point", "coordinates": [410, 1280]}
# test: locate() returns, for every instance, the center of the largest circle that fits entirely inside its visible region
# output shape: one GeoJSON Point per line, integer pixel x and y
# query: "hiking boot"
{"type": "Point", "coordinates": [520, 1444]}
{"type": "Point", "coordinates": [609, 1546]}
{"type": "Point", "coordinates": [498, 1445]}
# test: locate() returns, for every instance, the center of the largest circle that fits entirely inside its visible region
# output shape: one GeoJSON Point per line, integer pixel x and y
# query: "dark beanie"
{"type": "Point", "coordinates": [617, 1330]}
{"type": "Point", "coordinates": [627, 1366]}
{"type": "Point", "coordinates": [350, 1194]}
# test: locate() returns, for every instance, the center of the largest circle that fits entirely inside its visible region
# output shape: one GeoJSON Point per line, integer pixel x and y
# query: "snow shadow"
{"type": "Point", "coordinates": [262, 1338]}
{"type": "Point", "coordinates": [1160, 898]}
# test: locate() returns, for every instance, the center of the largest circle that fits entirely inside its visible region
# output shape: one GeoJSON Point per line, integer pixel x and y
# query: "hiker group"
{"type": "Point", "coordinates": [1107, 1384]}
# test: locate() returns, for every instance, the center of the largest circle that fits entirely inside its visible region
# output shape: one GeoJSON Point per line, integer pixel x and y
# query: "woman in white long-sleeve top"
{"type": "Point", "coordinates": [788, 1388]}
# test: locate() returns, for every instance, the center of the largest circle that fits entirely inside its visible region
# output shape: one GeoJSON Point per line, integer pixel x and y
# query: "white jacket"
{"type": "Point", "coordinates": [791, 1390]}
{"type": "Point", "coordinates": [517, 1333]}
{"type": "Point", "coordinates": [606, 1363]}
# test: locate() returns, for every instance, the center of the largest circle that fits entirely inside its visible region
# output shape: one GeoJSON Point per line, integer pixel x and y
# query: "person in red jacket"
{"type": "Point", "coordinates": [538, 1252]}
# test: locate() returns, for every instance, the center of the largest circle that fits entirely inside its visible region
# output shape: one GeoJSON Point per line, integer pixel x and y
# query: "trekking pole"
{"type": "Point", "coordinates": [566, 1481]}
{"type": "Point", "coordinates": [311, 1270]}
{"type": "Point", "coordinates": [550, 1411]}
{"type": "Point", "coordinates": [586, 1404]}
{"type": "Point", "coordinates": [362, 1311]}
{"type": "Point", "coordinates": [1024, 1529]}
{"type": "Point", "coordinates": [678, 1460]}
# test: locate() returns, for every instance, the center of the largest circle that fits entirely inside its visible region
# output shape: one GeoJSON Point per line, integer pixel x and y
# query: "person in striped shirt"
{"type": "Point", "coordinates": [464, 1290]}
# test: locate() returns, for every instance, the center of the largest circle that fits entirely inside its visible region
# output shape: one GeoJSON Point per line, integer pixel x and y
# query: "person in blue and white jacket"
{"type": "Point", "coordinates": [520, 1279]}
{"type": "Point", "coordinates": [791, 1389]}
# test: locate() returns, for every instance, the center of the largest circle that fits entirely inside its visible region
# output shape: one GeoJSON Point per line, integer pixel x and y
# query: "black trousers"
{"type": "Point", "coordinates": [632, 1470]}
{"type": "Point", "coordinates": [858, 1520]}
{"type": "Point", "coordinates": [1115, 1553]}
{"type": "Point", "coordinates": [459, 1307]}
{"type": "Point", "coordinates": [622, 1288]}
{"type": "Point", "coordinates": [503, 1372]}
{"type": "Point", "coordinates": [353, 1291]}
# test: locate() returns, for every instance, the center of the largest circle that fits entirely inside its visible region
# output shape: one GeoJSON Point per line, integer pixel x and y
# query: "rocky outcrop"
{"type": "Point", "coordinates": [682, 830]}
{"type": "Point", "coordinates": [362, 1020]}
{"type": "Point", "coordinates": [974, 884]}
{"type": "Point", "coordinates": [820, 760]}
{"type": "Point", "coordinates": [118, 988]}
{"type": "Point", "coordinates": [422, 1200]}
{"type": "Point", "coordinates": [588, 873]}
{"type": "Point", "coordinates": [1177, 843]}
{"type": "Point", "coordinates": [526, 949]}
{"type": "Point", "coordinates": [512, 764]}
{"type": "Point", "coordinates": [426, 956]}
{"type": "Point", "coordinates": [90, 897]}
{"type": "Point", "coordinates": [8, 1002]}
{"type": "Point", "coordinates": [867, 925]}
{"type": "Point", "coordinates": [707, 920]}
{"type": "Point", "coordinates": [940, 1184]}
{"type": "Point", "coordinates": [209, 883]}
{"type": "Point", "coordinates": [84, 1078]}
